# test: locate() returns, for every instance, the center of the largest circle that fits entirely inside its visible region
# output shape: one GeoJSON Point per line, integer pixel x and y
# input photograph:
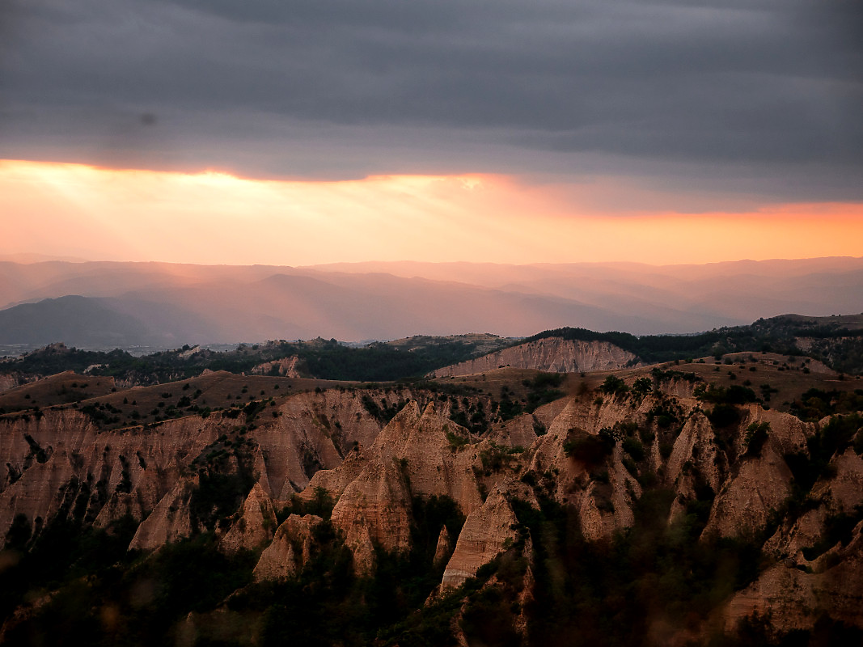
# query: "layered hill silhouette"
{"type": "Point", "coordinates": [171, 304]}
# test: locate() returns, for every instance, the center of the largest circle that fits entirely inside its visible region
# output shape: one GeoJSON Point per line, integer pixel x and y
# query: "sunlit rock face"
{"type": "Point", "coordinates": [550, 354]}
{"type": "Point", "coordinates": [594, 456]}
{"type": "Point", "coordinates": [62, 463]}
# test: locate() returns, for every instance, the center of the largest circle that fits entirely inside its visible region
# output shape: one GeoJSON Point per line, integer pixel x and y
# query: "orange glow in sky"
{"type": "Point", "coordinates": [98, 214]}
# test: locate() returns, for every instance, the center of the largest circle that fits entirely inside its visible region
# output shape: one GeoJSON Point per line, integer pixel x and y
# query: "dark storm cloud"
{"type": "Point", "coordinates": [346, 87]}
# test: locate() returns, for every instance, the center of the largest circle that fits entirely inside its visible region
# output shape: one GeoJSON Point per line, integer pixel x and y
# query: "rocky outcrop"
{"type": "Point", "coordinates": [335, 481]}
{"type": "Point", "coordinates": [592, 456]}
{"type": "Point", "coordinates": [61, 462]}
{"type": "Point", "coordinates": [420, 443]}
{"type": "Point", "coordinates": [8, 381]}
{"type": "Point", "coordinates": [412, 456]}
{"type": "Point", "coordinates": [290, 549]}
{"type": "Point", "coordinates": [285, 367]}
{"type": "Point", "coordinates": [787, 434]}
{"type": "Point", "coordinates": [444, 547]}
{"type": "Point", "coordinates": [744, 504]}
{"type": "Point", "coordinates": [789, 540]}
{"type": "Point", "coordinates": [416, 454]}
{"type": "Point", "coordinates": [312, 432]}
{"type": "Point", "coordinates": [550, 354]}
{"type": "Point", "coordinates": [170, 520]}
{"type": "Point", "coordinates": [604, 505]}
{"type": "Point", "coordinates": [523, 430]}
{"type": "Point", "coordinates": [487, 532]}
{"type": "Point", "coordinates": [376, 507]}
{"type": "Point", "coordinates": [695, 461]}
{"type": "Point", "coordinates": [758, 483]}
{"type": "Point", "coordinates": [254, 524]}
{"type": "Point", "coordinates": [790, 598]}
{"type": "Point", "coordinates": [839, 494]}
{"type": "Point", "coordinates": [844, 491]}
{"type": "Point", "coordinates": [422, 453]}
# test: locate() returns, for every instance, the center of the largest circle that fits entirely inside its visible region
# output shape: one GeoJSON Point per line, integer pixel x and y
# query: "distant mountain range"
{"type": "Point", "coordinates": [104, 304]}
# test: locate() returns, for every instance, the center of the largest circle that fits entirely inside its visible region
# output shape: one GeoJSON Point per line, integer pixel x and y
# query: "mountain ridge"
{"type": "Point", "coordinates": [246, 303]}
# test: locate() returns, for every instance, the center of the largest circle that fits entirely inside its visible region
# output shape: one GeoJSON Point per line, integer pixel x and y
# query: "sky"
{"type": "Point", "coordinates": [315, 131]}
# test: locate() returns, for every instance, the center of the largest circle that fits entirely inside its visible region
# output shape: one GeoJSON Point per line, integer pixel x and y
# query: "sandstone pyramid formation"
{"type": "Point", "coordinates": [598, 460]}
{"type": "Point", "coordinates": [150, 471]}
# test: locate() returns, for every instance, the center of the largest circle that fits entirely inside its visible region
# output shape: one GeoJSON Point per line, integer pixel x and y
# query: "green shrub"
{"type": "Point", "coordinates": [455, 441]}
{"type": "Point", "coordinates": [756, 436]}
{"type": "Point", "coordinates": [589, 449]}
{"type": "Point", "coordinates": [734, 394]}
{"type": "Point", "coordinates": [724, 415]}
{"type": "Point", "coordinates": [613, 385]}
{"type": "Point", "coordinates": [634, 448]}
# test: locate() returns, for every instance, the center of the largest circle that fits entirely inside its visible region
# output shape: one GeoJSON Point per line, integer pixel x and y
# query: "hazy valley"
{"type": "Point", "coordinates": [106, 305]}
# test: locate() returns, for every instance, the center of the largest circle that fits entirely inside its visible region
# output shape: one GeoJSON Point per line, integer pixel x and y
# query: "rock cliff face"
{"type": "Point", "coordinates": [794, 599]}
{"type": "Point", "coordinates": [758, 477]}
{"type": "Point", "coordinates": [169, 521]}
{"type": "Point", "coordinates": [60, 462]}
{"type": "Point", "coordinates": [254, 524]}
{"type": "Point", "coordinates": [290, 549]}
{"type": "Point", "coordinates": [444, 547]}
{"type": "Point", "coordinates": [311, 431]}
{"type": "Point", "coordinates": [375, 508]}
{"type": "Point", "coordinates": [8, 381]}
{"type": "Point", "coordinates": [486, 533]}
{"type": "Point", "coordinates": [412, 456]}
{"type": "Point", "coordinates": [285, 367]}
{"type": "Point", "coordinates": [551, 354]}
{"type": "Point", "coordinates": [747, 499]}
{"type": "Point", "coordinates": [603, 506]}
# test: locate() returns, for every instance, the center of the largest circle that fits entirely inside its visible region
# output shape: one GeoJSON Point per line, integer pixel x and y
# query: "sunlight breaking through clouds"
{"type": "Point", "coordinates": [214, 217]}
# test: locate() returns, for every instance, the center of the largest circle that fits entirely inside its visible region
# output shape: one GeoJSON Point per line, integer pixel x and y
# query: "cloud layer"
{"type": "Point", "coordinates": [758, 98]}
